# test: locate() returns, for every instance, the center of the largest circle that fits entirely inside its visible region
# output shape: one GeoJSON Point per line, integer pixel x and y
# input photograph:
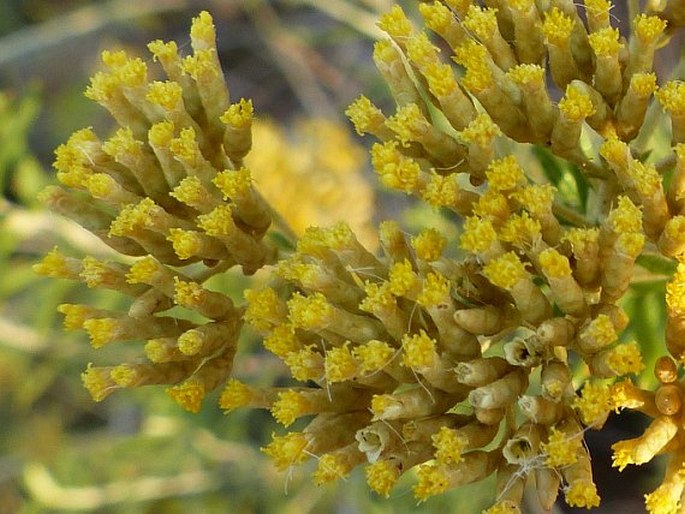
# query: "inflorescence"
{"type": "Point", "coordinates": [451, 359]}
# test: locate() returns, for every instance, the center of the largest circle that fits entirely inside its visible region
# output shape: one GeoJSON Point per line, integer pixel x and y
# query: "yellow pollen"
{"type": "Point", "coordinates": [554, 264]}
{"type": "Point", "coordinates": [505, 271]}
{"type": "Point", "coordinates": [239, 115]}
{"type": "Point", "coordinates": [557, 27]}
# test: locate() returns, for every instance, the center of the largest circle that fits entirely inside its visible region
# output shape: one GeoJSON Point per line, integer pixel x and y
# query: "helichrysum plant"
{"type": "Point", "coordinates": [450, 359]}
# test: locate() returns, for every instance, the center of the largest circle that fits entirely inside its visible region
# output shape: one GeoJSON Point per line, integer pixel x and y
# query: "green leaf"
{"type": "Point", "coordinates": [657, 264]}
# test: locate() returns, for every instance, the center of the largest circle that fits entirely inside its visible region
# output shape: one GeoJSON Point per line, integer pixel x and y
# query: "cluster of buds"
{"type": "Point", "coordinates": [459, 356]}
{"type": "Point", "coordinates": [449, 358]}
{"type": "Point", "coordinates": [168, 188]}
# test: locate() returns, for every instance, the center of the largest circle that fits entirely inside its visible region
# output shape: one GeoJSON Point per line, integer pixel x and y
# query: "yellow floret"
{"type": "Point", "coordinates": [98, 382]}
{"type": "Point", "coordinates": [576, 104]}
{"type": "Point", "coordinates": [381, 476]}
{"type": "Point", "coordinates": [233, 183]}
{"type": "Point", "coordinates": [648, 28]}
{"type": "Point", "coordinates": [436, 16]}
{"type": "Point", "coordinates": [672, 97]}
{"type": "Point", "coordinates": [421, 51]}
{"type": "Point", "coordinates": [440, 77]}
{"type": "Point", "coordinates": [133, 217]}
{"type": "Point", "coordinates": [435, 290]}
{"type": "Point", "coordinates": [202, 28]}
{"type": "Point", "coordinates": [186, 243]}
{"type": "Point", "coordinates": [132, 73]}
{"type": "Point", "coordinates": [305, 364]}
{"type": "Point", "coordinates": [402, 278]}
{"type": "Point", "coordinates": [264, 308]}
{"type": "Point", "coordinates": [441, 191]}
{"type": "Point", "coordinates": [482, 22]}
{"type": "Point", "coordinates": [626, 217]}
{"type": "Point", "coordinates": [384, 52]}
{"type": "Point", "coordinates": [287, 450]}
{"type": "Point", "coordinates": [100, 330]}
{"type": "Point", "coordinates": [74, 315]}
{"type": "Point", "coordinates": [96, 273]}
{"type": "Point", "coordinates": [631, 244]}
{"type": "Point", "coordinates": [103, 88]}
{"type": "Point", "coordinates": [643, 84]}
{"type": "Point", "coordinates": [492, 205]}
{"type": "Point", "coordinates": [581, 239]}
{"type": "Point", "coordinates": [330, 467]}
{"type": "Point", "coordinates": [536, 199]}
{"type": "Point", "coordinates": [594, 403]}
{"type": "Point", "coordinates": [185, 147]}
{"type": "Point", "coordinates": [143, 271]}
{"type": "Point", "coordinates": [159, 350]}
{"type": "Point", "coordinates": [561, 449]}
{"type": "Point", "coordinates": [340, 364]}
{"type": "Point", "coordinates": [239, 115]}
{"type": "Point", "coordinates": [626, 358]}
{"type": "Point", "coordinates": [395, 23]}
{"type": "Point", "coordinates": [526, 73]}
{"type": "Point", "coordinates": [191, 192]}
{"type": "Point", "coordinates": [598, 6]}
{"type": "Point", "coordinates": [114, 59]}
{"type": "Point", "coordinates": [505, 271]}
{"type": "Point", "coordinates": [378, 297]}
{"type": "Point", "coordinates": [382, 402]}
{"type": "Point", "coordinates": [161, 134]}
{"type": "Point", "coordinates": [582, 493]}
{"type": "Point", "coordinates": [395, 170]}
{"type": "Point", "coordinates": [188, 394]}
{"type": "Point", "coordinates": [554, 264]}
{"type": "Point", "coordinates": [235, 395]}
{"type": "Point", "coordinates": [190, 342]}
{"type": "Point", "coordinates": [290, 406]}
{"type": "Point", "coordinates": [202, 64]}
{"type": "Point", "coordinates": [124, 375]}
{"type": "Point", "coordinates": [418, 351]}
{"type": "Point", "coordinates": [449, 446]}
{"type": "Point", "coordinates": [480, 131]}
{"type": "Point", "coordinates": [163, 51]}
{"type": "Point", "coordinates": [557, 27]}
{"type": "Point", "coordinates": [521, 230]}
{"type": "Point", "coordinates": [479, 235]}
{"type": "Point", "coordinates": [429, 244]}
{"type": "Point", "coordinates": [374, 355]}
{"type": "Point", "coordinates": [364, 115]}
{"type": "Point", "coordinates": [602, 330]}
{"type": "Point", "coordinates": [311, 312]}
{"type": "Point", "coordinates": [665, 499]}
{"type": "Point", "coordinates": [675, 291]}
{"type": "Point", "coordinates": [646, 177]}
{"type": "Point", "coordinates": [75, 151]}
{"type": "Point", "coordinates": [187, 293]}
{"type": "Point", "coordinates": [606, 41]}
{"type": "Point", "coordinates": [167, 95]}
{"type": "Point", "coordinates": [505, 174]}
{"type": "Point", "coordinates": [282, 341]}
{"type": "Point", "coordinates": [218, 222]}
{"type": "Point", "coordinates": [55, 265]}
{"type": "Point", "coordinates": [122, 143]}
{"type": "Point", "coordinates": [432, 480]}
{"type": "Point", "coordinates": [475, 58]}
{"type": "Point", "coordinates": [408, 123]}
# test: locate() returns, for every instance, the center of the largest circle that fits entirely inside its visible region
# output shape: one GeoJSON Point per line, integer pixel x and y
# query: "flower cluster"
{"type": "Point", "coordinates": [168, 187]}
{"type": "Point", "coordinates": [449, 358]}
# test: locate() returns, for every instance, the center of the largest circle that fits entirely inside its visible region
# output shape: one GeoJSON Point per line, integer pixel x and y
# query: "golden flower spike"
{"type": "Point", "coordinates": [489, 354]}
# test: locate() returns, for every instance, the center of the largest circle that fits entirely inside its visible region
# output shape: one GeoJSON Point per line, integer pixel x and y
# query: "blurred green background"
{"type": "Point", "coordinates": [137, 452]}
